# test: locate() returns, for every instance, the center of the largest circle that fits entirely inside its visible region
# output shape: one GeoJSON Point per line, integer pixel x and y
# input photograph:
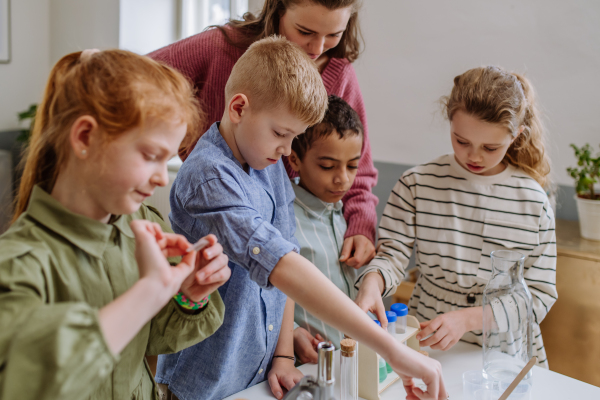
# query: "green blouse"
{"type": "Point", "coordinates": [57, 269]}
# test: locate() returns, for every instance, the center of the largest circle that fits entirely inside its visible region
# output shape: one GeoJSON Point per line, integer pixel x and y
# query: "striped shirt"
{"type": "Point", "coordinates": [455, 219]}
{"type": "Point", "coordinates": [320, 229]}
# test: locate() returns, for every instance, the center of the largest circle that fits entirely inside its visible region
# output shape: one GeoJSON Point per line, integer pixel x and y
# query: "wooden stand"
{"type": "Point", "coordinates": [571, 330]}
{"type": "Point", "coordinates": [369, 387]}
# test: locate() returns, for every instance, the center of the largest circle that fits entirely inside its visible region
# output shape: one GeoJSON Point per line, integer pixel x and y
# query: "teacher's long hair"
{"type": "Point", "coordinates": [266, 23]}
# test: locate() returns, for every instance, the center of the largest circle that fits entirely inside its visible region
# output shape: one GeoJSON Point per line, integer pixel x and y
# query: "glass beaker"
{"type": "Point", "coordinates": [507, 318]}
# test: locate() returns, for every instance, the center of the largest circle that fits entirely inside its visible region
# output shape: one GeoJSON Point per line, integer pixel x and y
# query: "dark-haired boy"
{"type": "Point", "coordinates": [326, 158]}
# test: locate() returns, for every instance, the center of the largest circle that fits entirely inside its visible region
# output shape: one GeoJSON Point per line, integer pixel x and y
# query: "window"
{"type": "Point", "coordinates": [147, 25]}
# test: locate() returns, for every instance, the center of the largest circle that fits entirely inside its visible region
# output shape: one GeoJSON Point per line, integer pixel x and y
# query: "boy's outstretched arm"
{"type": "Point", "coordinates": [283, 372]}
{"type": "Point", "coordinates": [303, 282]}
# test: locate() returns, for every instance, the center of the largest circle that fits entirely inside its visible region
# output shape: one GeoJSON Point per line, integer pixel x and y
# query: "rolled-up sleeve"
{"type": "Point", "coordinates": [219, 206]}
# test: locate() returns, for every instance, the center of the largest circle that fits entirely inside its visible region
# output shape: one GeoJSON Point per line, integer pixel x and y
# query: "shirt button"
{"type": "Point", "coordinates": [260, 371]}
{"type": "Point", "coordinates": [270, 327]}
{"type": "Point", "coordinates": [329, 207]}
{"type": "Point", "coordinates": [256, 250]}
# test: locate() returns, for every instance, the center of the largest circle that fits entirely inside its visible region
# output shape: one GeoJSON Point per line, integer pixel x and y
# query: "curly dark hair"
{"type": "Point", "coordinates": [340, 117]}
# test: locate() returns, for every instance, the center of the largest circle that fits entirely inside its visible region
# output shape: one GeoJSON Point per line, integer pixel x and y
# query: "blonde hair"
{"type": "Point", "coordinates": [494, 95]}
{"type": "Point", "coordinates": [119, 89]}
{"type": "Point", "coordinates": [275, 72]}
{"type": "Point", "coordinates": [266, 24]}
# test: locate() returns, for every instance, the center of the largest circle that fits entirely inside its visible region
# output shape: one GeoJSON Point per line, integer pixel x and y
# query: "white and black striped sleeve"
{"type": "Point", "coordinates": [540, 268]}
{"type": "Point", "coordinates": [396, 238]}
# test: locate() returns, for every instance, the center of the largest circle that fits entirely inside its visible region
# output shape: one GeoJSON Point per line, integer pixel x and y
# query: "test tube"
{"type": "Point", "coordinates": [349, 369]}
{"type": "Point", "coordinates": [382, 364]}
{"type": "Point", "coordinates": [199, 245]}
{"type": "Point", "coordinates": [391, 317]}
{"type": "Point", "coordinates": [401, 311]}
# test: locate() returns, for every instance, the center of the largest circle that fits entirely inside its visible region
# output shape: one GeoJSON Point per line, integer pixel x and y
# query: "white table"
{"type": "Point", "coordinates": [547, 385]}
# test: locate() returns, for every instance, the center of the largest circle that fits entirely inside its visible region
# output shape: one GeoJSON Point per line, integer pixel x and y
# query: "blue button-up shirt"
{"type": "Point", "coordinates": [252, 214]}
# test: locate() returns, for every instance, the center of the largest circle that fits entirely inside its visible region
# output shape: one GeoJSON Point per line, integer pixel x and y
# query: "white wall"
{"type": "Point", "coordinates": [82, 24]}
{"type": "Point", "coordinates": [147, 25]}
{"type": "Point", "coordinates": [255, 6]}
{"type": "Point", "coordinates": [415, 48]}
{"type": "Point", "coordinates": [22, 80]}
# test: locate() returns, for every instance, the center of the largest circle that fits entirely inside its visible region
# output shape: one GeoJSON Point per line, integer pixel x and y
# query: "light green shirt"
{"type": "Point", "coordinates": [57, 269]}
{"type": "Point", "coordinates": [320, 229]}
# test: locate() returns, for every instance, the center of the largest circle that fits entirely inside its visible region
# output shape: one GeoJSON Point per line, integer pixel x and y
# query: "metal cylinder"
{"type": "Point", "coordinates": [326, 375]}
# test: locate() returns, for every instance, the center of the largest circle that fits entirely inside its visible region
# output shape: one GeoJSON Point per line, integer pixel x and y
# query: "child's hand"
{"type": "Point", "coordinates": [152, 246]}
{"type": "Point", "coordinates": [360, 248]}
{"type": "Point", "coordinates": [305, 345]}
{"type": "Point", "coordinates": [369, 296]}
{"type": "Point", "coordinates": [447, 329]}
{"type": "Point", "coordinates": [210, 272]}
{"type": "Point", "coordinates": [409, 364]}
{"type": "Point", "coordinates": [283, 373]}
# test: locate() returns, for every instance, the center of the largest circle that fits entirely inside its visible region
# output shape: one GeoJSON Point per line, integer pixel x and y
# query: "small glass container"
{"type": "Point", "coordinates": [401, 311]}
{"type": "Point", "coordinates": [381, 362]}
{"type": "Point", "coordinates": [391, 328]}
{"type": "Point", "coordinates": [391, 317]}
{"type": "Point", "coordinates": [382, 369]}
{"type": "Point", "coordinates": [349, 369]}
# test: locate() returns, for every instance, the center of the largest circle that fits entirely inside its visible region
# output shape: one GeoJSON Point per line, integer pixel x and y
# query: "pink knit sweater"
{"type": "Point", "coordinates": [207, 60]}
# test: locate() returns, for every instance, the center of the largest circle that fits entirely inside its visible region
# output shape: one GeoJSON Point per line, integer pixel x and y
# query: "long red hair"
{"type": "Point", "coordinates": [119, 89]}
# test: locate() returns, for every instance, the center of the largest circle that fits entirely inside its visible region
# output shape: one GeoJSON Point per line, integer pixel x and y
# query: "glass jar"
{"type": "Point", "coordinates": [507, 318]}
{"type": "Point", "coordinates": [349, 369]}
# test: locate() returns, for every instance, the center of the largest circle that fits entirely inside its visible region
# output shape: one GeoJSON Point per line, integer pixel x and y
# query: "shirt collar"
{"type": "Point", "coordinates": [312, 203]}
{"type": "Point", "coordinates": [214, 136]}
{"type": "Point", "coordinates": [88, 234]}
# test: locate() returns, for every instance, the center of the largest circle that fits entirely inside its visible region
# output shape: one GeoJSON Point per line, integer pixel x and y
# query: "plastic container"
{"type": "Point", "coordinates": [391, 317]}
{"type": "Point", "coordinates": [401, 311]}
{"type": "Point", "coordinates": [349, 369]}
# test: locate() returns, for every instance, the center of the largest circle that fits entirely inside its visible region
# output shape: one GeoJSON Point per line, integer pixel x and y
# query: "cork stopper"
{"type": "Point", "coordinates": [348, 346]}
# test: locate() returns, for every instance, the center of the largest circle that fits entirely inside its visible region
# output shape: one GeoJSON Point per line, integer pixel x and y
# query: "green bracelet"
{"type": "Point", "coordinates": [186, 303]}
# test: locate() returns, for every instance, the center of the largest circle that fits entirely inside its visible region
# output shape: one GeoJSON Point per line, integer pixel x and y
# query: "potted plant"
{"type": "Point", "coordinates": [28, 114]}
{"type": "Point", "coordinates": [586, 175]}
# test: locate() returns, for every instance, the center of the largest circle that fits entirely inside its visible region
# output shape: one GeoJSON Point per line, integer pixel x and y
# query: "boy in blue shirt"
{"type": "Point", "coordinates": [326, 159]}
{"type": "Point", "coordinates": [234, 185]}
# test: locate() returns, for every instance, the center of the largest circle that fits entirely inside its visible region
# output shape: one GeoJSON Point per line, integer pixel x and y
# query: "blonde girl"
{"type": "Point", "coordinates": [488, 195]}
{"type": "Point", "coordinates": [86, 290]}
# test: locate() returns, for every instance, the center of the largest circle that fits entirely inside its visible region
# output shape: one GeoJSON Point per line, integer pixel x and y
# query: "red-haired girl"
{"type": "Point", "coordinates": [86, 290]}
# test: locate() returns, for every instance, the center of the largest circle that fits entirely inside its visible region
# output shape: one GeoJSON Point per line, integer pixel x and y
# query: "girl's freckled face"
{"type": "Point", "coordinates": [126, 170]}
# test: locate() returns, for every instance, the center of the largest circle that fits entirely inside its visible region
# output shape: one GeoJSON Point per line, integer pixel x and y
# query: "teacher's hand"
{"type": "Point", "coordinates": [357, 251]}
